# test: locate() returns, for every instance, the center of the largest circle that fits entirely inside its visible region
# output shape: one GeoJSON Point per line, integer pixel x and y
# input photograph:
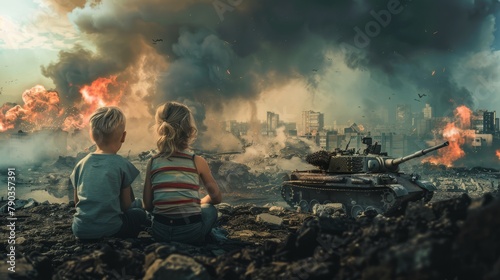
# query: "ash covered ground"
{"type": "Point", "coordinates": [259, 237]}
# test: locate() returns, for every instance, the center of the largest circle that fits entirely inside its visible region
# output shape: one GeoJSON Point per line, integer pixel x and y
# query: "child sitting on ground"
{"type": "Point", "coordinates": [173, 179]}
{"type": "Point", "coordinates": [104, 200]}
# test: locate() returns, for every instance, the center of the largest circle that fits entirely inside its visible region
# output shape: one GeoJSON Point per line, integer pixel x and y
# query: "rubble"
{"type": "Point", "coordinates": [176, 266]}
{"type": "Point", "coordinates": [327, 210]}
{"type": "Point", "coordinates": [449, 239]}
{"type": "Point", "coordinates": [452, 237]}
{"type": "Point", "coordinates": [452, 181]}
{"type": "Point", "coordinates": [270, 220]}
{"type": "Point", "coordinates": [276, 209]}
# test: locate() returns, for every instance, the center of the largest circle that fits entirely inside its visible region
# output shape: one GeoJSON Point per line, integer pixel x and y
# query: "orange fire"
{"type": "Point", "coordinates": [42, 108]}
{"type": "Point", "coordinates": [456, 132]}
{"type": "Point", "coordinates": [464, 114]}
{"type": "Point", "coordinates": [96, 95]}
{"type": "Point", "coordinates": [498, 154]}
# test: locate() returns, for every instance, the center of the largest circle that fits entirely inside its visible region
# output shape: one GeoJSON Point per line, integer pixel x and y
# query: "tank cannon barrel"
{"type": "Point", "coordinates": [393, 163]}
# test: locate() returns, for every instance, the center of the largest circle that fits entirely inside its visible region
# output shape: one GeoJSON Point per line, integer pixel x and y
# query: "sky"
{"type": "Point", "coordinates": [353, 60]}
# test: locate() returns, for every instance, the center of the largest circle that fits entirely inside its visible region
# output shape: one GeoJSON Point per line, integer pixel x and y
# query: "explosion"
{"type": "Point", "coordinates": [464, 114]}
{"type": "Point", "coordinates": [456, 133]}
{"type": "Point", "coordinates": [42, 108]}
{"type": "Point", "coordinates": [498, 154]}
{"type": "Point", "coordinates": [94, 96]}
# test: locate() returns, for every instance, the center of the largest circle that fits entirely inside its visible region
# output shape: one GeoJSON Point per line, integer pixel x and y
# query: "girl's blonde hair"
{"type": "Point", "coordinates": [175, 127]}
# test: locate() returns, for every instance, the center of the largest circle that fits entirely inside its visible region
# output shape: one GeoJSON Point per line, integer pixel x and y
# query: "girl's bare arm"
{"type": "Point", "coordinates": [214, 195]}
{"type": "Point", "coordinates": [147, 196]}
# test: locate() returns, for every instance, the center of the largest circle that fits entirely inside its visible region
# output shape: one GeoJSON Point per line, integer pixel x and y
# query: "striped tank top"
{"type": "Point", "coordinates": [175, 182]}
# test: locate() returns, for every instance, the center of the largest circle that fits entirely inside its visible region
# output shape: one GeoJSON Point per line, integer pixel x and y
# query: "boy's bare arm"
{"type": "Point", "coordinates": [214, 195]}
{"type": "Point", "coordinates": [125, 198]}
{"type": "Point", "coordinates": [147, 194]}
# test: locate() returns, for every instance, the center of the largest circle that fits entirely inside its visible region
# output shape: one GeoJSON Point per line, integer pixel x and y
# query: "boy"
{"type": "Point", "coordinates": [102, 182]}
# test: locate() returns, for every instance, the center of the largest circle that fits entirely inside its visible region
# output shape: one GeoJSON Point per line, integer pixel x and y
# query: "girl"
{"type": "Point", "coordinates": [173, 179]}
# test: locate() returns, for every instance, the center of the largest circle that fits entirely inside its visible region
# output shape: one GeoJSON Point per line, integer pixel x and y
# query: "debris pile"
{"type": "Point", "coordinates": [451, 181]}
{"type": "Point", "coordinates": [449, 239]}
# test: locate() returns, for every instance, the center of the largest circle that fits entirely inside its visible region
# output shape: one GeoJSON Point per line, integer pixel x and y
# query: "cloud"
{"type": "Point", "coordinates": [46, 28]}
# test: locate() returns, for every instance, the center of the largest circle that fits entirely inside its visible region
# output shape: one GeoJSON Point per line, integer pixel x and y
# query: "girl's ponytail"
{"type": "Point", "coordinates": [175, 127]}
{"type": "Point", "coordinates": [166, 140]}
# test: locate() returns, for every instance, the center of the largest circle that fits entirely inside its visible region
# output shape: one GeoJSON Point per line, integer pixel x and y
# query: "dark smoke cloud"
{"type": "Point", "coordinates": [263, 44]}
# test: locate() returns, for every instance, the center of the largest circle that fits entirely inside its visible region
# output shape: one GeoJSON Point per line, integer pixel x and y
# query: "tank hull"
{"type": "Point", "coordinates": [385, 193]}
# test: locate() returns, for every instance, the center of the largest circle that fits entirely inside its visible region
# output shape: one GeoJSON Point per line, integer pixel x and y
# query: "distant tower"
{"type": "Point", "coordinates": [427, 111]}
{"type": "Point", "coordinates": [403, 117]}
{"type": "Point", "coordinates": [489, 122]}
{"type": "Point", "coordinates": [272, 123]}
{"type": "Point", "coordinates": [312, 122]}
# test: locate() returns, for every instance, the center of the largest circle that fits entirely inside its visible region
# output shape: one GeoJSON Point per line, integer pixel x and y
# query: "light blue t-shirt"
{"type": "Point", "coordinates": [99, 179]}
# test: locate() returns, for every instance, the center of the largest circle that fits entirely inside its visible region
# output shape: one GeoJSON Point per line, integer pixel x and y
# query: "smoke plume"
{"type": "Point", "coordinates": [212, 55]}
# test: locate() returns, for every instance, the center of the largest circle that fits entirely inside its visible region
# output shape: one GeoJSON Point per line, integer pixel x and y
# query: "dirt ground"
{"type": "Point", "coordinates": [448, 239]}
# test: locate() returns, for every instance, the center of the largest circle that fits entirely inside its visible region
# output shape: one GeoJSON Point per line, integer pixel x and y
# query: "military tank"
{"type": "Point", "coordinates": [358, 181]}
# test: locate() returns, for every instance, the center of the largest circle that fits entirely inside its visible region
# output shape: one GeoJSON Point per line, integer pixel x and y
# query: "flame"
{"type": "Point", "coordinates": [498, 154]}
{"type": "Point", "coordinates": [456, 133]}
{"type": "Point", "coordinates": [464, 114]}
{"type": "Point", "coordinates": [96, 95]}
{"type": "Point", "coordinates": [42, 109]}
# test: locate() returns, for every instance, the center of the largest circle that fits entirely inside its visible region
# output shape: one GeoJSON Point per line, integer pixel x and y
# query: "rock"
{"type": "Point", "coordinates": [177, 267]}
{"type": "Point", "coordinates": [257, 210]}
{"type": "Point", "coordinates": [224, 208]}
{"type": "Point", "coordinates": [270, 220]}
{"type": "Point", "coordinates": [22, 270]}
{"type": "Point", "coordinates": [31, 202]}
{"type": "Point", "coordinates": [105, 263]}
{"type": "Point", "coordinates": [276, 209]}
{"type": "Point", "coordinates": [65, 162]}
{"type": "Point", "coordinates": [244, 233]}
{"type": "Point", "coordinates": [263, 234]}
{"type": "Point", "coordinates": [325, 210]}
{"type": "Point", "coordinates": [234, 174]}
{"type": "Point", "coordinates": [20, 240]}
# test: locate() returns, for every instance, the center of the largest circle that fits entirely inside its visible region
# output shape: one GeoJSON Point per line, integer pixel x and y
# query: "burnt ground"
{"type": "Point", "coordinates": [449, 239]}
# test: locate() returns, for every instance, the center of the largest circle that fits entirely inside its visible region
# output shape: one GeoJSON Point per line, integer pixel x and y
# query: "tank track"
{"type": "Point", "coordinates": [381, 199]}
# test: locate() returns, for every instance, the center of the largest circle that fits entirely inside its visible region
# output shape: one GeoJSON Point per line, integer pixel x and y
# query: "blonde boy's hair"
{"type": "Point", "coordinates": [107, 125]}
{"type": "Point", "coordinates": [175, 127]}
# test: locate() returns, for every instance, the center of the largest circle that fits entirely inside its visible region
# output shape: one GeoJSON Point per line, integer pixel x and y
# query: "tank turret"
{"type": "Point", "coordinates": [372, 160]}
{"type": "Point", "coordinates": [358, 180]}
